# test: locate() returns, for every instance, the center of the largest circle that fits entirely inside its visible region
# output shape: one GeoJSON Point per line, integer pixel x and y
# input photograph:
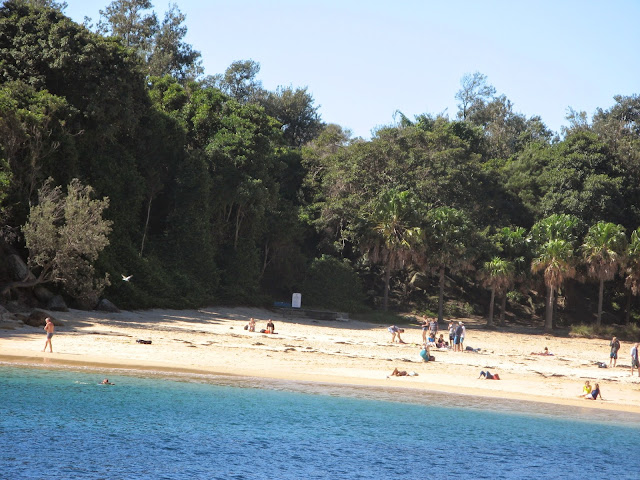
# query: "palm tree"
{"type": "Point", "coordinates": [554, 239]}
{"type": "Point", "coordinates": [604, 252]}
{"type": "Point", "coordinates": [447, 238]}
{"type": "Point", "coordinates": [555, 258]}
{"type": "Point", "coordinates": [632, 280]}
{"type": "Point", "coordinates": [498, 275]}
{"type": "Point", "coordinates": [392, 233]}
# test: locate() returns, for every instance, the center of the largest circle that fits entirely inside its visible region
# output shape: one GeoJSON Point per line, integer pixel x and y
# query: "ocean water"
{"type": "Point", "coordinates": [61, 424]}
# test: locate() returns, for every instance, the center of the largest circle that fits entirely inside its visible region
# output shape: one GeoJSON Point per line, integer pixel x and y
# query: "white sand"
{"type": "Point", "coordinates": [353, 352]}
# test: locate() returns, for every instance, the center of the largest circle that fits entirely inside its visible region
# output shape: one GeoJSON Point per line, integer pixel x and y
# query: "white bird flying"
{"type": "Point", "coordinates": [126, 279]}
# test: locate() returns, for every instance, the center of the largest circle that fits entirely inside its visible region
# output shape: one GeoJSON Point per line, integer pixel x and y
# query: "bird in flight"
{"type": "Point", "coordinates": [126, 278]}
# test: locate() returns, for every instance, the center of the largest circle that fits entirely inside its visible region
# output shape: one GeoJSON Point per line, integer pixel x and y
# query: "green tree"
{"type": "Point", "coordinates": [392, 233]}
{"type": "Point", "coordinates": [448, 238]}
{"type": "Point", "coordinates": [473, 95]}
{"type": "Point", "coordinates": [554, 239]}
{"type": "Point", "coordinates": [239, 81]}
{"type": "Point", "coordinates": [295, 110]}
{"type": "Point", "coordinates": [497, 275]}
{"type": "Point", "coordinates": [632, 269]}
{"type": "Point", "coordinates": [128, 20]}
{"type": "Point", "coordinates": [604, 252]}
{"type": "Point", "coordinates": [170, 54]}
{"type": "Point", "coordinates": [64, 236]}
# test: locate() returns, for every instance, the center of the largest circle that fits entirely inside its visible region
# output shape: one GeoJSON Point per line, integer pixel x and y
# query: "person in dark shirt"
{"type": "Point", "coordinates": [613, 356]}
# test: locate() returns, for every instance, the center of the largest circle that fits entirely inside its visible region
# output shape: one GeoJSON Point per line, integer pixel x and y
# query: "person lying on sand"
{"type": "Point", "coordinates": [489, 376]}
{"type": "Point", "coordinates": [545, 352]}
{"type": "Point", "coordinates": [398, 373]}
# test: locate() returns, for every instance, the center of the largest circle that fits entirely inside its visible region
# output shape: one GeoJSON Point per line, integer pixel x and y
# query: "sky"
{"type": "Point", "coordinates": [364, 60]}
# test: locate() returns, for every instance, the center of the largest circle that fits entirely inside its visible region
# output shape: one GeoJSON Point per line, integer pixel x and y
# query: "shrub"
{"type": "Point", "coordinates": [333, 284]}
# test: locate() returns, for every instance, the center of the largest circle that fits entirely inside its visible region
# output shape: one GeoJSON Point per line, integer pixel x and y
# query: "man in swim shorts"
{"type": "Point", "coordinates": [48, 327]}
{"type": "Point", "coordinates": [613, 356]}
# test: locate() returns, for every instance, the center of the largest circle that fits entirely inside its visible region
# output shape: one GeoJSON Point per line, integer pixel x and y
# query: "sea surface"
{"type": "Point", "coordinates": [60, 423]}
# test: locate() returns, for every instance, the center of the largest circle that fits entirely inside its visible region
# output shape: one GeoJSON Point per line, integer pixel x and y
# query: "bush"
{"type": "Point", "coordinates": [629, 333]}
{"type": "Point", "coordinates": [333, 284]}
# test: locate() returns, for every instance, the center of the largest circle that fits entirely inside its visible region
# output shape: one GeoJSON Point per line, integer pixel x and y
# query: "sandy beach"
{"type": "Point", "coordinates": [349, 352]}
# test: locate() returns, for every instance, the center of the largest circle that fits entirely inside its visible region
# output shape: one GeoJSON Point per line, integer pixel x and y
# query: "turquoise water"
{"type": "Point", "coordinates": [60, 424]}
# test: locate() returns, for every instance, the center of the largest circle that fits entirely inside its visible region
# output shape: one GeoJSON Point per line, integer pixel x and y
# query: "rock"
{"type": "Point", "coordinates": [42, 293]}
{"type": "Point", "coordinates": [105, 305]}
{"type": "Point", "coordinates": [36, 319]}
{"type": "Point", "coordinates": [19, 268]}
{"type": "Point", "coordinates": [86, 303]}
{"type": "Point", "coordinates": [57, 304]}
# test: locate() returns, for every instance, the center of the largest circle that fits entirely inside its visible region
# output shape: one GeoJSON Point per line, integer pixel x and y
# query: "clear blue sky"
{"type": "Point", "coordinates": [363, 60]}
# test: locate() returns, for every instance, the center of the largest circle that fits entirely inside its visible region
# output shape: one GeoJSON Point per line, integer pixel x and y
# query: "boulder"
{"type": "Point", "coordinates": [86, 303]}
{"type": "Point", "coordinates": [42, 293]}
{"type": "Point", "coordinates": [106, 306]}
{"type": "Point", "coordinates": [37, 316]}
{"type": "Point", "coordinates": [19, 268]}
{"type": "Point", "coordinates": [56, 303]}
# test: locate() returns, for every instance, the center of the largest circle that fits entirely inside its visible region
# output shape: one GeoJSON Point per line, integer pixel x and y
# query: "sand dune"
{"type": "Point", "coordinates": [353, 352]}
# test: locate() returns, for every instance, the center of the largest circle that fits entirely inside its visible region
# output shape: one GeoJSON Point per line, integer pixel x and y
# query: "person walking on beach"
{"type": "Point", "coordinates": [48, 327]}
{"type": "Point", "coordinates": [613, 356]}
{"type": "Point", "coordinates": [634, 359]}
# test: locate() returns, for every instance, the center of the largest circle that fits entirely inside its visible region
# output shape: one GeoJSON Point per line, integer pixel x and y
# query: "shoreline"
{"type": "Point", "coordinates": [351, 354]}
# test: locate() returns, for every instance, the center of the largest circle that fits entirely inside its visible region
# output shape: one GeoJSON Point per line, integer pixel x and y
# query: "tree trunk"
{"type": "Point", "coordinates": [146, 226]}
{"type": "Point", "coordinates": [493, 297]}
{"type": "Point", "coordinates": [503, 309]}
{"type": "Point", "coordinates": [600, 295]}
{"type": "Point", "coordinates": [387, 278]}
{"type": "Point", "coordinates": [627, 316]}
{"type": "Point", "coordinates": [548, 322]}
{"type": "Point", "coordinates": [441, 296]}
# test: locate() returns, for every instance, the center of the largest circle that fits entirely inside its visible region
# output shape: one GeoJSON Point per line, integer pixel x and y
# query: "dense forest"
{"type": "Point", "coordinates": [216, 190]}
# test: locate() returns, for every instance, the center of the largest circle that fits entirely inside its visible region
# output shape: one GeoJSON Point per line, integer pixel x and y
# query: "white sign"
{"type": "Point", "coordinates": [296, 300]}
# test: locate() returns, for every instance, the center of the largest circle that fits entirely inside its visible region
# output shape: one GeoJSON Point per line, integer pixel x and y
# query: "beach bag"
{"type": "Point", "coordinates": [432, 358]}
{"type": "Point", "coordinates": [246, 327]}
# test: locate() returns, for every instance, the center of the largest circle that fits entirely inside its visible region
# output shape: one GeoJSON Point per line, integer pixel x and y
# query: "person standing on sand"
{"type": "Point", "coordinates": [452, 334]}
{"type": "Point", "coordinates": [48, 327]}
{"type": "Point", "coordinates": [613, 356]}
{"type": "Point", "coordinates": [456, 339]}
{"type": "Point", "coordinates": [462, 335]}
{"type": "Point", "coordinates": [634, 359]}
{"type": "Point", "coordinates": [433, 327]}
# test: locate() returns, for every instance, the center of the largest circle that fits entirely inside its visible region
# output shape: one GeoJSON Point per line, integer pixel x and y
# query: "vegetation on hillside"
{"type": "Point", "coordinates": [223, 192]}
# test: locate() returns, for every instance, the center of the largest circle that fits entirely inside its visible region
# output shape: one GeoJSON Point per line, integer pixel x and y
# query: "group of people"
{"type": "Point", "coordinates": [591, 393]}
{"type": "Point", "coordinates": [251, 326]}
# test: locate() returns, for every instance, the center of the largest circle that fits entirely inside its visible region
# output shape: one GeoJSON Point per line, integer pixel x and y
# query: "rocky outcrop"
{"type": "Point", "coordinates": [19, 269]}
{"type": "Point", "coordinates": [106, 306]}
{"type": "Point", "coordinates": [36, 318]}
{"type": "Point", "coordinates": [57, 304]}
